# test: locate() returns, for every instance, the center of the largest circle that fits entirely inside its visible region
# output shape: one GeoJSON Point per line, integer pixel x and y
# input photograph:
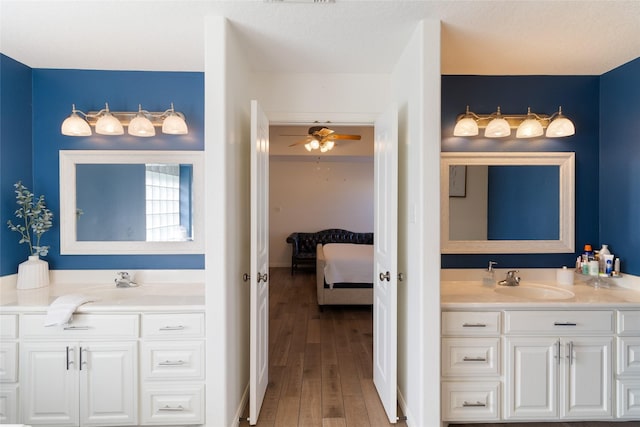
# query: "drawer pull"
{"type": "Point", "coordinates": [474, 325]}
{"type": "Point", "coordinates": [474, 359]}
{"type": "Point", "coordinates": [172, 328]}
{"type": "Point", "coordinates": [473, 405]}
{"type": "Point", "coordinates": [172, 363]}
{"type": "Point", "coordinates": [178, 408]}
{"type": "Point", "coordinates": [76, 328]}
{"type": "Point", "coordinates": [564, 324]}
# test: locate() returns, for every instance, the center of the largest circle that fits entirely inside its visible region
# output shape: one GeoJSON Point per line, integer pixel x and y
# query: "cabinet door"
{"type": "Point", "coordinates": [531, 369]}
{"type": "Point", "coordinates": [586, 373]}
{"type": "Point", "coordinates": [48, 384]}
{"type": "Point", "coordinates": [108, 385]}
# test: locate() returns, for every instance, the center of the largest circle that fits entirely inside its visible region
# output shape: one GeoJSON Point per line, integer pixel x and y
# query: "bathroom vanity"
{"type": "Point", "coordinates": [540, 351]}
{"type": "Point", "coordinates": [134, 356]}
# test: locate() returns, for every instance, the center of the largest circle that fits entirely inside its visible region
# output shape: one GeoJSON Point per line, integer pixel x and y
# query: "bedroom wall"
{"type": "Point", "coordinates": [312, 194]}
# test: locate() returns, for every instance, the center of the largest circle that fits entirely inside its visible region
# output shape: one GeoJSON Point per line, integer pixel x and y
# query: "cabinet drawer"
{"type": "Point", "coordinates": [173, 404]}
{"type": "Point", "coordinates": [558, 322]}
{"type": "Point", "coordinates": [82, 326]}
{"type": "Point", "coordinates": [628, 356]}
{"type": "Point", "coordinates": [8, 403]}
{"type": "Point", "coordinates": [166, 360]}
{"type": "Point", "coordinates": [186, 325]}
{"type": "Point", "coordinates": [629, 322]}
{"type": "Point", "coordinates": [8, 362]}
{"type": "Point", "coordinates": [8, 326]}
{"type": "Point", "coordinates": [470, 323]}
{"type": "Point", "coordinates": [470, 401]}
{"type": "Point", "coordinates": [470, 356]}
{"type": "Point", "coordinates": [628, 399]}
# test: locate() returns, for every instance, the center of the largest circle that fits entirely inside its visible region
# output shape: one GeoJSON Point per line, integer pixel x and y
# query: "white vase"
{"type": "Point", "coordinates": [33, 273]}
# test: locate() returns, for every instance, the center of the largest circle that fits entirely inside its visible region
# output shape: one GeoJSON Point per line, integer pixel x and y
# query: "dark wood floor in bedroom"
{"type": "Point", "coordinates": [321, 363]}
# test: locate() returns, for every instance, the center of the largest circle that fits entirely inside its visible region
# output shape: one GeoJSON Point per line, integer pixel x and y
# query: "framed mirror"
{"type": "Point", "coordinates": [501, 203]}
{"type": "Point", "coordinates": [131, 202]}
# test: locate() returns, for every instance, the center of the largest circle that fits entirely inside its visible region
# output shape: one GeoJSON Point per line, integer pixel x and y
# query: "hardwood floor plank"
{"type": "Point", "coordinates": [333, 422]}
{"type": "Point", "coordinates": [355, 410]}
{"type": "Point", "coordinates": [313, 330]}
{"type": "Point", "coordinates": [293, 384]}
{"type": "Point", "coordinates": [272, 395]}
{"type": "Point", "coordinates": [377, 414]}
{"type": "Point", "coordinates": [332, 405]}
{"type": "Point", "coordinates": [312, 362]}
{"type": "Point", "coordinates": [288, 411]}
{"type": "Point", "coordinates": [349, 376]}
{"type": "Point", "coordinates": [311, 403]}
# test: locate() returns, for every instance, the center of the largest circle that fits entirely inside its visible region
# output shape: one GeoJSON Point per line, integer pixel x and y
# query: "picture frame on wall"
{"type": "Point", "coordinates": [457, 181]}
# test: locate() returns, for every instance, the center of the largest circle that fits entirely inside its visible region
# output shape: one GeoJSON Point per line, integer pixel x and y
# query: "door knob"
{"type": "Point", "coordinates": [262, 277]}
{"type": "Point", "coordinates": [385, 276]}
{"type": "Point", "coordinates": [246, 277]}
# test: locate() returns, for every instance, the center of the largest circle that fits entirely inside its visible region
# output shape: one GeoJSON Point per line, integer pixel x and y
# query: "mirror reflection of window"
{"type": "Point", "coordinates": [134, 202]}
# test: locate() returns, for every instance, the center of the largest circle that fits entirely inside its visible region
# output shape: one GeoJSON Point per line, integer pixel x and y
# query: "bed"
{"type": "Point", "coordinates": [344, 274]}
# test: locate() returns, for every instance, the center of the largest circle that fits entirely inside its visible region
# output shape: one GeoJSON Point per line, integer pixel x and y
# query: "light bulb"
{"type": "Point", "coordinates": [107, 124]}
{"type": "Point", "coordinates": [74, 125]}
{"type": "Point", "coordinates": [140, 125]}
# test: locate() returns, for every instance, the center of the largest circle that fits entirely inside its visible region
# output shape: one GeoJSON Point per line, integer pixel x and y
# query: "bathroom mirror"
{"type": "Point", "coordinates": [507, 202]}
{"type": "Point", "coordinates": [131, 202]}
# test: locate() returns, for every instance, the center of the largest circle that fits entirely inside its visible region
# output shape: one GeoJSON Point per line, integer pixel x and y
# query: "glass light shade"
{"type": "Point", "coordinates": [560, 127]}
{"type": "Point", "coordinates": [323, 149]}
{"type": "Point", "coordinates": [315, 144]}
{"type": "Point", "coordinates": [308, 147]}
{"type": "Point", "coordinates": [497, 128]}
{"type": "Point", "coordinates": [173, 124]}
{"type": "Point", "coordinates": [74, 125]}
{"type": "Point", "coordinates": [330, 145]}
{"type": "Point", "coordinates": [141, 126]}
{"type": "Point", "coordinates": [530, 128]}
{"type": "Point", "coordinates": [466, 126]}
{"type": "Point", "coordinates": [107, 124]}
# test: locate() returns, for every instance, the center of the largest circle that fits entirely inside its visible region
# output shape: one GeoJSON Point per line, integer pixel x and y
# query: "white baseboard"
{"type": "Point", "coordinates": [410, 419]}
{"type": "Point", "coordinates": [244, 401]}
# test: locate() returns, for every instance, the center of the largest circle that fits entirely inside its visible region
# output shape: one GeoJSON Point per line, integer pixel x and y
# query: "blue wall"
{"type": "Point", "coordinates": [620, 164]}
{"type": "Point", "coordinates": [579, 98]}
{"type": "Point", "coordinates": [53, 93]}
{"type": "Point", "coordinates": [15, 155]}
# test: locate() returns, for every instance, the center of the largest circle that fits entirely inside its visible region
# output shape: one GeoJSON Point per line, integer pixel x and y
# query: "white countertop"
{"type": "Point", "coordinates": [464, 290]}
{"type": "Point", "coordinates": [108, 298]}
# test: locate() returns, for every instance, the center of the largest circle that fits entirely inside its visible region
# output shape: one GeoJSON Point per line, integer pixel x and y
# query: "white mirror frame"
{"type": "Point", "coordinates": [566, 242]}
{"type": "Point", "coordinates": [69, 245]}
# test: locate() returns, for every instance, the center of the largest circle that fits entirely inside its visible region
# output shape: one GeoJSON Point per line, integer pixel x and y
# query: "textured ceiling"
{"type": "Point", "coordinates": [478, 37]}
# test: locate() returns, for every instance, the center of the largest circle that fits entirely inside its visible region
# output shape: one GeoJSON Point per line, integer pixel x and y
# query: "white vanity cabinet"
{"type": "Point", "coordinates": [172, 368]}
{"type": "Point", "coordinates": [81, 374]}
{"type": "Point", "coordinates": [558, 364]}
{"type": "Point", "coordinates": [470, 366]}
{"type": "Point", "coordinates": [8, 369]}
{"type": "Point", "coordinates": [628, 365]}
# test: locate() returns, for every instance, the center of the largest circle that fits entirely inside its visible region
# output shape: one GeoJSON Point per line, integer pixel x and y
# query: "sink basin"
{"type": "Point", "coordinates": [535, 291]}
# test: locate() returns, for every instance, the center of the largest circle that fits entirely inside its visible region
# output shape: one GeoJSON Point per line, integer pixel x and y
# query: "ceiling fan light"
{"type": "Point", "coordinates": [308, 147]}
{"type": "Point", "coordinates": [323, 148]}
{"type": "Point", "coordinates": [74, 125]}
{"type": "Point", "coordinates": [466, 126]}
{"type": "Point", "coordinates": [107, 124]}
{"type": "Point", "coordinates": [315, 144]}
{"type": "Point", "coordinates": [141, 125]}
{"type": "Point", "coordinates": [330, 145]}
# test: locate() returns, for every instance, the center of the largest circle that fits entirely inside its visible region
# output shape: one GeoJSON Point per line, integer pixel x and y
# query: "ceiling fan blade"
{"type": "Point", "coordinates": [302, 141]}
{"type": "Point", "coordinates": [323, 133]}
{"type": "Point", "coordinates": [343, 136]}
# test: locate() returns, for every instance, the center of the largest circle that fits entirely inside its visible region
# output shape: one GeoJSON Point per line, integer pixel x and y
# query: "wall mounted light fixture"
{"type": "Point", "coordinates": [498, 125]}
{"type": "Point", "coordinates": [139, 123]}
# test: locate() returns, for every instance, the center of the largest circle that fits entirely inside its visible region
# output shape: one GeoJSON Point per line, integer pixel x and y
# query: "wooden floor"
{"type": "Point", "coordinates": [320, 362]}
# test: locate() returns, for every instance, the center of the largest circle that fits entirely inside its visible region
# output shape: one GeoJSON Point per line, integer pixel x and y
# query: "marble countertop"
{"type": "Point", "coordinates": [465, 291]}
{"type": "Point", "coordinates": [108, 298]}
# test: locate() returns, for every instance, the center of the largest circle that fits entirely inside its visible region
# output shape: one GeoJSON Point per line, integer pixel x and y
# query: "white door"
{"type": "Point", "coordinates": [586, 378]}
{"type": "Point", "coordinates": [49, 384]}
{"type": "Point", "coordinates": [108, 384]}
{"type": "Point", "coordinates": [385, 292]}
{"type": "Point", "coordinates": [531, 389]}
{"type": "Point", "coordinates": [259, 317]}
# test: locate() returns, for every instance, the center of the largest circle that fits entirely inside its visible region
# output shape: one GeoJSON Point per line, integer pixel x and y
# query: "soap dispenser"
{"type": "Point", "coordinates": [489, 278]}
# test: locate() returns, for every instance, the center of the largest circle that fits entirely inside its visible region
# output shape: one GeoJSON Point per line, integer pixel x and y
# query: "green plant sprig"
{"type": "Point", "coordinates": [36, 218]}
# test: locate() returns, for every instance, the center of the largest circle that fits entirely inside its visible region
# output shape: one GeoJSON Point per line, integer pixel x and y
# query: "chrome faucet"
{"type": "Point", "coordinates": [124, 280]}
{"type": "Point", "coordinates": [511, 279]}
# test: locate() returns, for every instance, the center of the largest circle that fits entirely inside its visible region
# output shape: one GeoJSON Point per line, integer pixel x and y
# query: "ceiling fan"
{"type": "Point", "coordinates": [322, 138]}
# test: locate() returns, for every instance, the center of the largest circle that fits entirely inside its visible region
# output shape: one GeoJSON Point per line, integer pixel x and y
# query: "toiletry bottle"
{"type": "Point", "coordinates": [616, 267]}
{"type": "Point", "coordinates": [603, 251]}
{"type": "Point", "coordinates": [489, 279]}
{"type": "Point", "coordinates": [587, 256]}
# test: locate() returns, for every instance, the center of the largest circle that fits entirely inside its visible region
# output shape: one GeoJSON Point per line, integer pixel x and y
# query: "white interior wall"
{"type": "Point", "coordinates": [227, 133]}
{"type": "Point", "coordinates": [312, 194]}
{"type": "Point", "coordinates": [416, 80]}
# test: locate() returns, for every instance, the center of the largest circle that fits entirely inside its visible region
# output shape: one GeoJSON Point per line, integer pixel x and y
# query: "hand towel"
{"type": "Point", "coordinates": [61, 310]}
